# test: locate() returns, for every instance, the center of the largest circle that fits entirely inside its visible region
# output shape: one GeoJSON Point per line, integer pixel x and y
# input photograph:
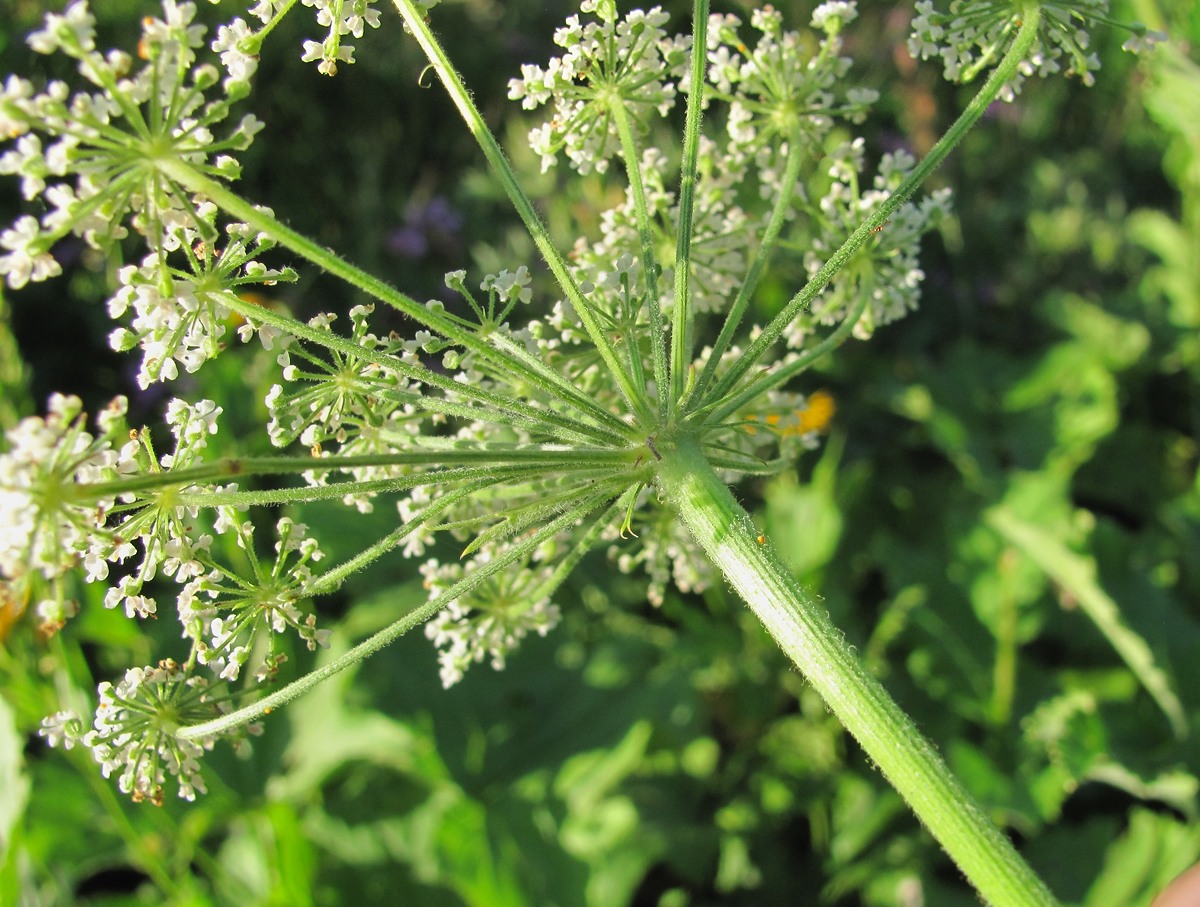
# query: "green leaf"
{"type": "Point", "coordinates": [1118, 342]}
{"type": "Point", "coordinates": [1138, 865]}
{"type": "Point", "coordinates": [1076, 573]}
{"type": "Point", "coordinates": [1076, 390]}
{"type": "Point", "coordinates": [804, 522]}
{"type": "Point", "coordinates": [1175, 788]}
{"type": "Point", "coordinates": [14, 789]}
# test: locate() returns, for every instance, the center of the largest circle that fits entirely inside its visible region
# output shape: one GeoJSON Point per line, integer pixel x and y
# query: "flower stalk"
{"type": "Point", "coordinates": [415, 20]}
{"type": "Point", "coordinates": [800, 625]}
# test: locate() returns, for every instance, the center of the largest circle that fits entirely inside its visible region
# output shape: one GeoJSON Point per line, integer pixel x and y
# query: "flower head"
{"type": "Point", "coordinates": [491, 620]}
{"type": "Point", "coordinates": [886, 271]}
{"type": "Point", "coordinates": [630, 62]}
{"type": "Point", "coordinates": [974, 34]}
{"type": "Point", "coordinates": [229, 612]}
{"type": "Point", "coordinates": [782, 90]}
{"type": "Point", "coordinates": [134, 731]}
{"type": "Point", "coordinates": [98, 159]}
{"type": "Point", "coordinates": [48, 520]}
{"type": "Point", "coordinates": [178, 302]}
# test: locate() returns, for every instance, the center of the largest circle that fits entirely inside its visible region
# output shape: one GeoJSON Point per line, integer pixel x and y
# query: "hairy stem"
{"type": "Point", "coordinates": [770, 238]}
{"type": "Point", "coordinates": [650, 269]}
{"type": "Point", "coordinates": [682, 328]}
{"type": "Point", "coordinates": [800, 625]}
{"type": "Point", "coordinates": [776, 377]}
{"type": "Point", "coordinates": [414, 18]}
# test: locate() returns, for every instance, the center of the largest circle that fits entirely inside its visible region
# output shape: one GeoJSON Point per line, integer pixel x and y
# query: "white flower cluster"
{"type": "Point", "coordinates": [664, 550]}
{"type": "Point", "coordinates": [611, 69]}
{"type": "Point", "coordinates": [132, 734]}
{"type": "Point", "coordinates": [491, 620]}
{"type": "Point", "coordinates": [45, 528]}
{"type": "Point", "coordinates": [348, 402]}
{"type": "Point", "coordinates": [52, 519]}
{"type": "Point", "coordinates": [887, 271]}
{"type": "Point", "coordinates": [87, 155]}
{"type": "Point", "coordinates": [61, 506]}
{"type": "Point", "coordinates": [340, 18]}
{"type": "Point", "coordinates": [173, 541]}
{"type": "Point", "coordinates": [227, 613]}
{"type": "Point", "coordinates": [781, 90]}
{"type": "Point", "coordinates": [723, 234]}
{"type": "Point", "coordinates": [178, 316]}
{"type": "Point", "coordinates": [974, 34]}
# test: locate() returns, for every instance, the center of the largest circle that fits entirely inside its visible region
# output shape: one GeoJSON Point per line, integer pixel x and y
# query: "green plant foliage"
{"type": "Point", "coordinates": [1003, 520]}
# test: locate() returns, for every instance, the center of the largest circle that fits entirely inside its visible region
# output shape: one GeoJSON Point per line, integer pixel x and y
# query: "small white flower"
{"type": "Point", "coordinates": [832, 15]}
{"type": "Point", "coordinates": [1144, 41]}
{"type": "Point", "coordinates": [63, 728]}
{"type": "Point", "coordinates": [75, 28]}
{"type": "Point", "coordinates": [26, 260]}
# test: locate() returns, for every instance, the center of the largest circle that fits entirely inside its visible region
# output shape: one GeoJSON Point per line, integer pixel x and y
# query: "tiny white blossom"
{"type": "Point", "coordinates": [26, 259]}
{"type": "Point", "coordinates": [75, 28]}
{"type": "Point", "coordinates": [833, 14]}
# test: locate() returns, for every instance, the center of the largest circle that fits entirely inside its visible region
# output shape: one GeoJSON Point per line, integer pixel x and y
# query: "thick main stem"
{"type": "Point", "coordinates": [800, 625]}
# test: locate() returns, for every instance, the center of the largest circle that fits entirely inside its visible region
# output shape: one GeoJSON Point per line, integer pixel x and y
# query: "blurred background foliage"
{"type": "Point", "coordinates": [1004, 520]}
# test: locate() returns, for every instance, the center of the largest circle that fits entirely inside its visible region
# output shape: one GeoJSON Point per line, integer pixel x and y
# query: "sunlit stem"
{"type": "Point", "coordinates": [770, 238]}
{"type": "Point", "coordinates": [778, 376]}
{"type": "Point", "coordinates": [650, 268]}
{"type": "Point", "coordinates": [491, 406]}
{"type": "Point", "coordinates": [800, 625]}
{"type": "Point", "coordinates": [226, 468]}
{"type": "Point", "coordinates": [210, 497]}
{"type": "Point", "coordinates": [415, 19]}
{"type": "Point", "coordinates": [682, 317]}
{"type": "Point", "coordinates": [332, 579]}
{"type": "Point", "coordinates": [259, 36]}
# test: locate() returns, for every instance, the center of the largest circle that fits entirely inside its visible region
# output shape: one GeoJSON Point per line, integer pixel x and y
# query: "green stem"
{"type": "Point", "coordinates": [967, 119]}
{"type": "Point", "coordinates": [800, 624]}
{"type": "Point", "coordinates": [259, 36]}
{"type": "Point", "coordinates": [235, 467]}
{"type": "Point", "coordinates": [309, 493]}
{"type": "Point", "coordinates": [682, 327]}
{"type": "Point", "coordinates": [330, 580]}
{"type": "Point", "coordinates": [237, 207]}
{"type": "Point", "coordinates": [14, 381]}
{"type": "Point", "coordinates": [394, 631]}
{"type": "Point", "coordinates": [492, 406]}
{"type": "Point", "coordinates": [415, 19]}
{"type": "Point", "coordinates": [770, 238]}
{"type": "Point", "coordinates": [633, 169]}
{"type": "Point", "coordinates": [777, 377]}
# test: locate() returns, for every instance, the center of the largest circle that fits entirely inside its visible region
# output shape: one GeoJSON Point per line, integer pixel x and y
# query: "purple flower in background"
{"type": "Point", "coordinates": [432, 225]}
